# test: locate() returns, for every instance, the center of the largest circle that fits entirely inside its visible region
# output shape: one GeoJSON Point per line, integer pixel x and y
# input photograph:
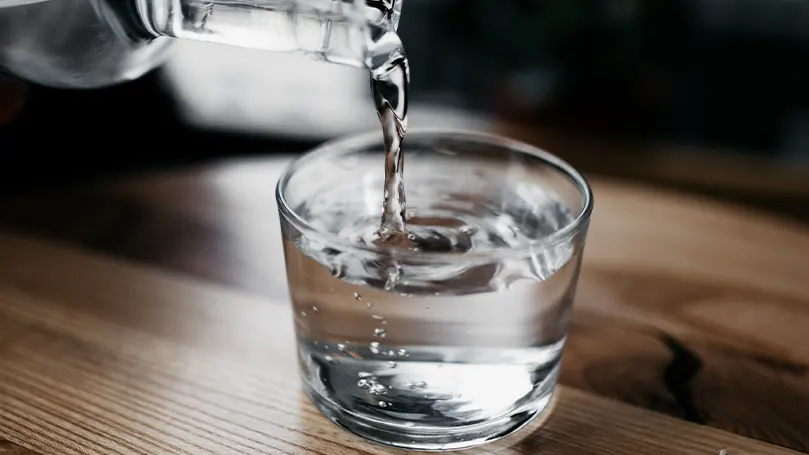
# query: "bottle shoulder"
{"type": "Point", "coordinates": [75, 44]}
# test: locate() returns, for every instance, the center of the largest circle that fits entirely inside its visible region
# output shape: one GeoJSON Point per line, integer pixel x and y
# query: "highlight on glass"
{"type": "Point", "coordinates": [452, 335]}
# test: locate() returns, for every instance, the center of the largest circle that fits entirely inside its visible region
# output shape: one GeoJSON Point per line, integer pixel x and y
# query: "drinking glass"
{"type": "Point", "coordinates": [455, 338]}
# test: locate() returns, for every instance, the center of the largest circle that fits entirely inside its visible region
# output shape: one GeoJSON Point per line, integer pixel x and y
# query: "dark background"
{"type": "Point", "coordinates": [613, 85]}
{"type": "Point", "coordinates": [713, 73]}
{"type": "Point", "coordinates": [66, 136]}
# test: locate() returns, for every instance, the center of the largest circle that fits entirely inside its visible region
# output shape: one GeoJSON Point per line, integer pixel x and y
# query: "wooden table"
{"type": "Point", "coordinates": [149, 315]}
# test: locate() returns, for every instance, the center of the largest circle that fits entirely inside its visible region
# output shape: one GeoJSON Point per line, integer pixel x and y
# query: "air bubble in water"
{"type": "Point", "coordinates": [378, 317]}
{"type": "Point", "coordinates": [426, 307]}
{"type": "Point", "coordinates": [381, 333]}
{"type": "Point", "coordinates": [403, 353]}
{"type": "Point", "coordinates": [329, 358]}
{"type": "Point", "coordinates": [393, 277]}
{"type": "Point", "coordinates": [314, 308]}
{"type": "Point", "coordinates": [382, 404]}
{"type": "Point", "coordinates": [303, 313]}
{"type": "Point", "coordinates": [357, 296]}
{"type": "Point", "coordinates": [376, 388]}
{"type": "Point", "coordinates": [337, 271]}
{"type": "Point", "coordinates": [372, 385]}
{"type": "Point", "coordinates": [375, 347]}
{"type": "Point", "coordinates": [364, 374]}
{"type": "Point", "coordinates": [392, 364]}
{"type": "Point", "coordinates": [341, 347]}
{"type": "Point", "coordinates": [369, 305]}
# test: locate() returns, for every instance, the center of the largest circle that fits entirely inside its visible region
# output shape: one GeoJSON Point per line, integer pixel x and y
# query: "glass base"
{"type": "Point", "coordinates": [428, 438]}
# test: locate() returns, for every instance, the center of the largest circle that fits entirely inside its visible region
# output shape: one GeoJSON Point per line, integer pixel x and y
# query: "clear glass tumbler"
{"type": "Point", "coordinates": [456, 339]}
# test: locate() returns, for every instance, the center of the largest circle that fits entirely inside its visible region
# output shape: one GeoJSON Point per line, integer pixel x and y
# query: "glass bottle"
{"type": "Point", "coordinates": [95, 43]}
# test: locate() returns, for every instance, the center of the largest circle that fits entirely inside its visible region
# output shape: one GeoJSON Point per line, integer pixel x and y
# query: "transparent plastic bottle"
{"type": "Point", "coordinates": [95, 43]}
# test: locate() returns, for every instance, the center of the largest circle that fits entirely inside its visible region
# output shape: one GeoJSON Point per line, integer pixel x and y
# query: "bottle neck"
{"type": "Point", "coordinates": [334, 30]}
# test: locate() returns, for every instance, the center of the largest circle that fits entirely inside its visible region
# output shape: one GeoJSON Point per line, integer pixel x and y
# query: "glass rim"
{"type": "Point", "coordinates": [358, 141]}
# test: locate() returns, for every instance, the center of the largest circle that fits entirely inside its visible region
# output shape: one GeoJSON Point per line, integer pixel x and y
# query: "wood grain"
{"type": "Point", "coordinates": [9, 448]}
{"type": "Point", "coordinates": [709, 169]}
{"type": "Point", "coordinates": [219, 224]}
{"type": "Point", "coordinates": [689, 319]}
{"type": "Point", "coordinates": [771, 184]}
{"type": "Point", "coordinates": [216, 373]}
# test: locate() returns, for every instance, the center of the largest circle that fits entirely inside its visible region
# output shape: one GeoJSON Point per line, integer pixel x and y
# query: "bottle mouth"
{"type": "Point", "coordinates": [332, 149]}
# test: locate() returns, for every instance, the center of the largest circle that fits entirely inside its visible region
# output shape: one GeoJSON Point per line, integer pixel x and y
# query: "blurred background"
{"type": "Point", "coordinates": [707, 96]}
